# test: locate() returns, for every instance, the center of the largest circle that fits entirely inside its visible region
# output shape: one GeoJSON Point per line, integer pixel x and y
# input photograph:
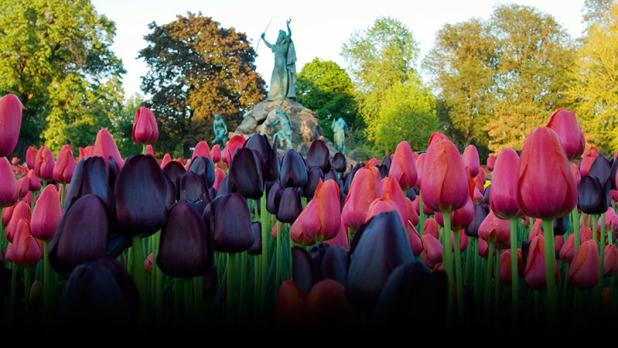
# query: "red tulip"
{"type": "Point", "coordinates": [44, 164]}
{"type": "Point", "coordinates": [65, 165]}
{"type": "Point", "coordinates": [341, 239]}
{"type": "Point", "coordinates": [321, 218]}
{"type": "Point", "coordinates": [166, 159]}
{"type": "Point", "coordinates": [24, 250]}
{"type": "Point", "coordinates": [201, 149]}
{"type": "Point", "coordinates": [503, 194]}
{"type": "Point", "coordinates": [546, 188]}
{"type": "Point", "coordinates": [610, 260]}
{"type": "Point", "coordinates": [432, 227]}
{"type": "Point", "coordinates": [145, 130]}
{"type": "Point", "coordinates": [21, 211]}
{"type": "Point", "coordinates": [149, 150]}
{"type": "Point", "coordinates": [463, 240]}
{"type": "Point", "coordinates": [364, 189]}
{"type": "Point", "coordinates": [415, 241]}
{"type": "Point", "coordinates": [381, 205]}
{"type": "Point", "coordinates": [392, 190]}
{"type": "Point", "coordinates": [219, 176]}
{"type": "Point", "coordinates": [483, 247]}
{"type": "Point", "coordinates": [471, 160]}
{"type": "Point", "coordinates": [8, 188]}
{"type": "Point", "coordinates": [291, 304]}
{"type": "Point", "coordinates": [460, 218]}
{"type": "Point", "coordinates": [534, 273]}
{"type": "Point", "coordinates": [445, 184]}
{"type": "Point", "coordinates": [436, 136]}
{"type": "Point", "coordinates": [10, 123]}
{"type": "Point", "coordinates": [584, 269]}
{"type": "Point", "coordinates": [576, 174]}
{"type": "Point", "coordinates": [235, 143]}
{"type": "Point", "coordinates": [148, 263]}
{"type": "Point", "coordinates": [420, 164]}
{"type": "Point", "coordinates": [31, 156]}
{"type": "Point", "coordinates": [505, 265]}
{"type": "Point", "coordinates": [6, 215]}
{"type": "Point", "coordinates": [403, 166]}
{"type": "Point", "coordinates": [480, 180]}
{"type": "Point", "coordinates": [215, 152]}
{"type": "Point", "coordinates": [410, 208]}
{"type": "Point", "coordinates": [564, 123]}
{"type": "Point", "coordinates": [327, 303]}
{"type": "Point", "coordinates": [34, 183]}
{"type": "Point", "coordinates": [105, 146]}
{"type": "Point", "coordinates": [589, 156]}
{"type": "Point", "coordinates": [491, 161]}
{"type": "Point", "coordinates": [567, 250]}
{"type": "Point", "coordinates": [47, 214]}
{"type": "Point", "coordinates": [432, 250]}
{"type": "Point", "coordinates": [495, 229]}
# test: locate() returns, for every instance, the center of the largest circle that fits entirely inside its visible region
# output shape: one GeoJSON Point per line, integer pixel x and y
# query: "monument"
{"type": "Point", "coordinates": [220, 130]}
{"type": "Point", "coordinates": [339, 126]}
{"type": "Point", "coordinates": [280, 115]}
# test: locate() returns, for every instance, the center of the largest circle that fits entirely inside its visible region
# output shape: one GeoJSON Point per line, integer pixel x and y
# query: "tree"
{"type": "Point", "coordinates": [408, 113]}
{"type": "Point", "coordinates": [326, 88]}
{"type": "Point", "coordinates": [463, 64]}
{"type": "Point", "coordinates": [594, 90]}
{"type": "Point", "coordinates": [55, 56]}
{"type": "Point", "coordinates": [196, 69]}
{"type": "Point", "coordinates": [380, 58]}
{"type": "Point", "coordinates": [596, 11]}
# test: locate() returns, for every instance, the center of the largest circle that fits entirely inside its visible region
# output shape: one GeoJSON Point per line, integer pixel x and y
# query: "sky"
{"type": "Point", "coordinates": [319, 27]}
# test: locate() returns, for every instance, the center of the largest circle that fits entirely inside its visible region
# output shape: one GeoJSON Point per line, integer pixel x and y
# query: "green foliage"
{"type": "Point", "coordinates": [408, 112]}
{"type": "Point", "coordinates": [499, 79]}
{"type": "Point", "coordinates": [326, 88]}
{"type": "Point", "coordinates": [594, 90]}
{"type": "Point", "coordinates": [196, 69]}
{"type": "Point", "coordinates": [390, 94]}
{"type": "Point", "coordinates": [56, 57]}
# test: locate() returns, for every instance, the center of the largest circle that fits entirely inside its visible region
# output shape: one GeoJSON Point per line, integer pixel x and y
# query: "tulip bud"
{"type": "Point", "coordinates": [145, 130]}
{"type": "Point", "coordinates": [505, 265]}
{"type": "Point", "coordinates": [584, 269]}
{"type": "Point", "coordinates": [31, 156]}
{"type": "Point", "coordinates": [534, 273]}
{"type": "Point", "coordinates": [339, 162]}
{"type": "Point", "coordinates": [565, 124]}
{"type": "Point", "coordinates": [495, 229]}
{"type": "Point", "coordinates": [10, 123]}
{"type": "Point", "coordinates": [21, 211]}
{"type": "Point", "coordinates": [432, 250]}
{"type": "Point", "coordinates": [503, 196]}
{"type": "Point", "coordinates": [201, 150]}
{"type": "Point", "coordinates": [318, 156]}
{"type": "Point", "coordinates": [215, 153]}
{"type": "Point", "coordinates": [321, 218]}
{"type": "Point", "coordinates": [8, 189]}
{"type": "Point", "coordinates": [289, 205]}
{"type": "Point", "coordinates": [471, 160]}
{"type": "Point", "coordinates": [491, 161]}
{"type": "Point", "coordinates": [44, 164]}
{"type": "Point", "coordinates": [610, 260]}
{"type": "Point", "coordinates": [246, 174]}
{"type": "Point", "coordinates": [148, 264]}
{"type": "Point", "coordinates": [24, 250]}
{"type": "Point", "coordinates": [291, 304]}
{"type": "Point", "coordinates": [364, 189]}
{"type": "Point", "coordinates": [589, 156]}
{"type": "Point", "coordinates": [293, 170]}
{"type": "Point", "coordinates": [403, 166]}
{"type": "Point", "coordinates": [47, 214]}
{"type": "Point", "coordinates": [105, 146]}
{"type": "Point", "coordinates": [65, 165]}
{"type": "Point", "coordinates": [229, 223]}
{"type": "Point", "coordinates": [235, 143]}
{"type": "Point", "coordinates": [327, 303]}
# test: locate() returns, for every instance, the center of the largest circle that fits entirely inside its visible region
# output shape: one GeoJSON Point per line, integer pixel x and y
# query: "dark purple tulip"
{"type": "Point", "coordinates": [562, 225]}
{"type": "Point", "coordinates": [174, 170]}
{"type": "Point", "coordinates": [141, 196]}
{"type": "Point", "coordinates": [485, 199]}
{"type": "Point", "coordinates": [226, 187]}
{"type": "Point", "coordinates": [289, 205]}
{"type": "Point", "coordinates": [387, 162]}
{"type": "Point", "coordinates": [211, 282]}
{"type": "Point", "coordinates": [378, 248]}
{"type": "Point", "coordinates": [293, 170]}
{"type": "Point", "coordinates": [191, 187]}
{"type": "Point", "coordinates": [304, 271]}
{"type": "Point", "coordinates": [339, 162]}
{"type": "Point", "coordinates": [411, 194]}
{"type": "Point", "coordinates": [116, 243]}
{"type": "Point", "coordinates": [480, 213]}
{"type": "Point", "coordinates": [96, 294]}
{"type": "Point", "coordinates": [612, 174]}
{"type": "Point", "coordinates": [331, 174]}
{"type": "Point", "coordinates": [171, 196]}
{"type": "Point", "coordinates": [593, 197]}
{"type": "Point", "coordinates": [256, 248]}
{"type": "Point", "coordinates": [81, 236]}
{"type": "Point", "coordinates": [273, 198]}
{"type": "Point", "coordinates": [91, 176]}
{"type": "Point", "coordinates": [334, 264]}
{"type": "Point", "coordinates": [230, 223]}
{"type": "Point", "coordinates": [184, 249]}
{"type": "Point", "coordinates": [124, 280]}
{"type": "Point", "coordinates": [246, 174]}
{"type": "Point", "coordinates": [600, 169]}
{"type": "Point", "coordinates": [268, 157]}
{"type": "Point", "coordinates": [318, 156]}
{"type": "Point", "coordinates": [113, 170]}
{"type": "Point", "coordinates": [413, 293]}
{"type": "Point", "coordinates": [203, 167]}
{"type": "Point", "coordinates": [314, 177]}
{"type": "Point", "coordinates": [383, 170]}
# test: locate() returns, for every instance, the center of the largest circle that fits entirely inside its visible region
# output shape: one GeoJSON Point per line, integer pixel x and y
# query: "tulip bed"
{"type": "Point", "coordinates": [249, 232]}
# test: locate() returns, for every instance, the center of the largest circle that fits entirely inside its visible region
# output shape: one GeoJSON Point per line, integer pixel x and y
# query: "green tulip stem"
{"type": "Point", "coordinates": [243, 281]}
{"type": "Point", "coordinates": [62, 189]}
{"type": "Point", "coordinates": [421, 218]}
{"type": "Point", "coordinates": [144, 149]}
{"type": "Point", "coordinates": [138, 265]}
{"type": "Point", "coordinates": [458, 273]}
{"type": "Point", "coordinates": [514, 270]}
{"type": "Point", "coordinates": [291, 245]}
{"type": "Point", "coordinates": [488, 266]}
{"type": "Point", "coordinates": [575, 229]}
{"type": "Point", "coordinates": [263, 273]}
{"type": "Point", "coordinates": [594, 220]}
{"type": "Point", "coordinates": [278, 257]}
{"type": "Point", "coordinates": [232, 268]}
{"type": "Point", "coordinates": [3, 240]}
{"type": "Point", "coordinates": [550, 257]}
{"type": "Point", "coordinates": [46, 276]}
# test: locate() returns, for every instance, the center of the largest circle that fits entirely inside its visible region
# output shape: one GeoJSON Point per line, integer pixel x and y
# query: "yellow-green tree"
{"type": "Point", "coordinates": [595, 87]}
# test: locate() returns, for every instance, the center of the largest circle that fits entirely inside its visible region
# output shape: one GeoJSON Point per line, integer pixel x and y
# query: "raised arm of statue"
{"type": "Point", "coordinates": [268, 44]}
{"type": "Point", "coordinates": [287, 23]}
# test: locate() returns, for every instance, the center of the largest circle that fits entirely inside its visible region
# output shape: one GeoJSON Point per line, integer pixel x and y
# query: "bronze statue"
{"type": "Point", "coordinates": [220, 130]}
{"type": "Point", "coordinates": [283, 77]}
{"type": "Point", "coordinates": [339, 127]}
{"type": "Point", "coordinates": [284, 134]}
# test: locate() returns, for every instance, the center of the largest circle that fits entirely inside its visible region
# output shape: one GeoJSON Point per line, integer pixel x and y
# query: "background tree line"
{"type": "Point", "coordinates": [486, 81]}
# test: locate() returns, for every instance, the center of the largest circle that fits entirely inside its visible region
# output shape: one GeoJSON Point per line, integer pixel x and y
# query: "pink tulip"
{"type": "Point", "coordinates": [403, 166]}
{"type": "Point", "coordinates": [341, 239]}
{"type": "Point", "coordinates": [166, 159]}
{"type": "Point", "coordinates": [201, 149]}
{"type": "Point", "coordinates": [327, 303]}
{"type": "Point", "coordinates": [65, 165]}
{"type": "Point", "coordinates": [432, 250]}
{"type": "Point", "coordinates": [584, 269]}
{"type": "Point", "coordinates": [505, 265]}
{"type": "Point", "coordinates": [31, 156]}
{"type": "Point", "coordinates": [44, 164]}
{"type": "Point", "coordinates": [219, 176]}
{"type": "Point", "coordinates": [235, 143]}
{"type": "Point", "coordinates": [432, 227]}
{"type": "Point", "coordinates": [8, 188]}
{"type": "Point", "coordinates": [105, 146]}
{"type": "Point", "coordinates": [414, 239]}
{"type": "Point", "coordinates": [491, 160]}
{"type": "Point", "coordinates": [589, 156]}
{"type": "Point", "coordinates": [47, 214]}
{"type": "Point", "coordinates": [565, 124]}
{"type": "Point", "coordinates": [21, 211]}
{"type": "Point", "coordinates": [321, 218]}
{"type": "Point", "coordinates": [503, 194]}
{"type": "Point", "coordinates": [471, 160]}
{"type": "Point", "coordinates": [534, 273]}
{"type": "Point", "coordinates": [364, 189]}
{"type": "Point", "coordinates": [610, 260]}
{"type": "Point", "coordinates": [496, 230]}
{"type": "Point", "coordinates": [10, 123]}
{"type": "Point", "coordinates": [215, 152]}
{"type": "Point", "coordinates": [145, 130]}
{"type": "Point", "coordinates": [291, 304]}
{"type": "Point", "coordinates": [24, 250]}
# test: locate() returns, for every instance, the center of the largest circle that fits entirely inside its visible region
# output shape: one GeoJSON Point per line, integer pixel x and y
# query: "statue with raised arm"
{"type": "Point", "coordinates": [339, 127]}
{"type": "Point", "coordinates": [220, 130]}
{"type": "Point", "coordinates": [284, 134]}
{"type": "Point", "coordinates": [284, 73]}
